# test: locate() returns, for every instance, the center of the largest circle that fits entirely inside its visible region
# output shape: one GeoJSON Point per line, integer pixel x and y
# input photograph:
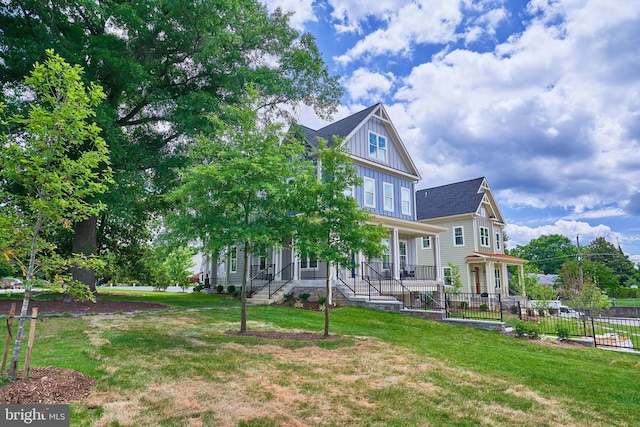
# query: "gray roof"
{"type": "Point", "coordinates": [342, 128]}
{"type": "Point", "coordinates": [449, 200]}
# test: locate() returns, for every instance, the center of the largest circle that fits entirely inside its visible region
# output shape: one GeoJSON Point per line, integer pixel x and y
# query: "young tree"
{"type": "Point", "coordinates": [52, 165]}
{"type": "Point", "coordinates": [238, 192]}
{"type": "Point", "coordinates": [178, 266]}
{"type": "Point", "coordinates": [164, 66]}
{"type": "Point", "coordinates": [453, 280]}
{"type": "Point", "coordinates": [329, 222]}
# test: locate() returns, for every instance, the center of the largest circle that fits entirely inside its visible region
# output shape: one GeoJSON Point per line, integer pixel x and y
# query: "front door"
{"type": "Point", "coordinates": [477, 273]}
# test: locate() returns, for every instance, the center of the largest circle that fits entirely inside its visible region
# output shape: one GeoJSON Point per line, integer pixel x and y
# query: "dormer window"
{"type": "Point", "coordinates": [377, 147]}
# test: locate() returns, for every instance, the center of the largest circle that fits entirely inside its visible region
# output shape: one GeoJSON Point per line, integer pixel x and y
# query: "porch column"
{"type": "Point", "coordinates": [491, 277]}
{"type": "Point", "coordinates": [437, 260]}
{"type": "Point", "coordinates": [295, 256]}
{"type": "Point", "coordinates": [521, 280]}
{"type": "Point", "coordinates": [395, 253]}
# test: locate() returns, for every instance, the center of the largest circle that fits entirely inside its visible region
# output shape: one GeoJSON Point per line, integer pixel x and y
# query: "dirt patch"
{"type": "Point", "coordinates": [47, 386]}
{"type": "Point", "coordinates": [80, 307]}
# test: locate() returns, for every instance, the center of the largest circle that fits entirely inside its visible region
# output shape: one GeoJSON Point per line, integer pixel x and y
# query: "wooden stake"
{"type": "Point", "coordinates": [7, 342]}
{"type": "Point", "coordinates": [32, 335]}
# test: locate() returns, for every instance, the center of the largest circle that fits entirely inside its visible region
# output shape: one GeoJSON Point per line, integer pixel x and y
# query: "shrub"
{"type": "Point", "coordinates": [231, 289]}
{"type": "Point", "coordinates": [563, 333]}
{"type": "Point", "coordinates": [552, 311]}
{"type": "Point", "coordinates": [541, 312]}
{"type": "Point", "coordinates": [322, 300]}
{"type": "Point", "coordinates": [484, 307]}
{"type": "Point", "coordinates": [288, 297]}
{"type": "Point", "coordinates": [304, 296]}
{"type": "Point", "coordinates": [219, 289]}
{"type": "Point", "coordinates": [322, 307]}
{"type": "Point", "coordinates": [198, 287]}
{"type": "Point", "coordinates": [298, 304]}
{"type": "Point", "coordinates": [514, 309]}
{"type": "Point", "coordinates": [530, 329]}
{"type": "Point", "coordinates": [464, 305]}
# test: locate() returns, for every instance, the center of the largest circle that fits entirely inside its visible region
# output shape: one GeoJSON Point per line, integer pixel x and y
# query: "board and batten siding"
{"type": "Point", "coordinates": [359, 145]}
{"type": "Point", "coordinates": [398, 183]}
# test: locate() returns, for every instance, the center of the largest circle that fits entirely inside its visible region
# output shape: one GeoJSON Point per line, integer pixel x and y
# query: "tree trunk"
{"type": "Point", "coordinates": [243, 291]}
{"type": "Point", "coordinates": [84, 242]}
{"type": "Point", "coordinates": [15, 356]}
{"type": "Point", "coordinates": [326, 303]}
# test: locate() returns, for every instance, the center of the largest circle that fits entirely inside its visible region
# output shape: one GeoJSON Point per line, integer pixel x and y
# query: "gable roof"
{"type": "Point", "coordinates": [342, 128]}
{"type": "Point", "coordinates": [348, 126]}
{"type": "Point", "coordinates": [449, 200]}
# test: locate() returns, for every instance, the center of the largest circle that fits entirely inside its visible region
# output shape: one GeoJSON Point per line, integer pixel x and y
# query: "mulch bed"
{"type": "Point", "coordinates": [274, 335]}
{"type": "Point", "coordinates": [47, 386]}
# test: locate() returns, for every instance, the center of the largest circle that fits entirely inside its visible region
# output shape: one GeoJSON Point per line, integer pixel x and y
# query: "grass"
{"type": "Point", "coordinates": [180, 368]}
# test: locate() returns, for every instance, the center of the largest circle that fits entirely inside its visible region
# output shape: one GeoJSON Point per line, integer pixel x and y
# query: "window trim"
{"type": "Point", "coordinates": [388, 197]}
{"type": "Point", "coordinates": [485, 241]}
{"type": "Point", "coordinates": [378, 150]}
{"type": "Point", "coordinates": [372, 182]}
{"type": "Point", "coordinates": [461, 228]}
{"type": "Point", "coordinates": [428, 240]}
{"type": "Point", "coordinates": [498, 241]}
{"type": "Point", "coordinates": [405, 198]}
{"type": "Point", "coordinates": [497, 277]}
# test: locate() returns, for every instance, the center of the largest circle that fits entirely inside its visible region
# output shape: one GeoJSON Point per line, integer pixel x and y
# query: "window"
{"type": "Point", "coordinates": [233, 259]}
{"type": "Point", "coordinates": [403, 253]}
{"type": "Point", "coordinates": [369, 193]}
{"type": "Point", "coordinates": [377, 147]}
{"type": "Point", "coordinates": [385, 254]}
{"type": "Point", "coordinates": [350, 191]}
{"type": "Point", "coordinates": [405, 196]}
{"type": "Point", "coordinates": [497, 276]}
{"type": "Point", "coordinates": [458, 236]}
{"type": "Point", "coordinates": [498, 241]}
{"type": "Point", "coordinates": [484, 236]}
{"type": "Point", "coordinates": [308, 261]}
{"type": "Point", "coordinates": [426, 242]}
{"type": "Point", "coordinates": [447, 276]}
{"type": "Point", "coordinates": [388, 196]}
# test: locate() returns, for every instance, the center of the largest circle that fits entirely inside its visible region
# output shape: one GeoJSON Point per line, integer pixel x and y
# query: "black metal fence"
{"type": "Point", "coordinates": [474, 306]}
{"type": "Point", "coordinates": [614, 332]}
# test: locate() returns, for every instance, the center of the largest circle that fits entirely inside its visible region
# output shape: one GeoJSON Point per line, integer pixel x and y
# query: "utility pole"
{"type": "Point", "coordinates": [580, 263]}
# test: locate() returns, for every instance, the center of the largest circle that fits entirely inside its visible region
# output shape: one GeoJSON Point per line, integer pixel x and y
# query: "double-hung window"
{"type": "Point", "coordinates": [233, 259]}
{"type": "Point", "coordinates": [484, 237]}
{"type": "Point", "coordinates": [458, 236]}
{"type": "Point", "coordinates": [426, 242]}
{"type": "Point", "coordinates": [369, 192]}
{"type": "Point", "coordinates": [388, 196]}
{"type": "Point", "coordinates": [405, 201]}
{"type": "Point", "coordinates": [498, 245]}
{"type": "Point", "coordinates": [497, 277]}
{"type": "Point", "coordinates": [377, 147]}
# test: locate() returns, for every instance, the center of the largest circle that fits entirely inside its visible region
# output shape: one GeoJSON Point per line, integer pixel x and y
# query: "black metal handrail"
{"type": "Point", "coordinates": [286, 271]}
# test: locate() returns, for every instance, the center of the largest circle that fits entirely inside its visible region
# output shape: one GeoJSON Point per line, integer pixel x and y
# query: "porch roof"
{"type": "Point", "coordinates": [409, 227]}
{"type": "Point", "coordinates": [478, 257]}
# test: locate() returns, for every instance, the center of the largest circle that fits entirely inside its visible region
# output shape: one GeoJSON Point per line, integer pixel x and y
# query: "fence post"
{"type": "Point", "coordinates": [593, 329]}
{"type": "Point", "coordinates": [32, 335]}
{"type": "Point", "coordinates": [500, 305]}
{"type": "Point", "coordinates": [519, 310]}
{"type": "Point", "coordinates": [12, 312]}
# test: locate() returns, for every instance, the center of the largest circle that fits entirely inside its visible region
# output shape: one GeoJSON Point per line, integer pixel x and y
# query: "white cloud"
{"type": "Point", "coordinates": [365, 84]}
{"type": "Point", "coordinates": [428, 21]}
{"type": "Point", "coordinates": [302, 11]}
{"type": "Point", "coordinates": [521, 235]}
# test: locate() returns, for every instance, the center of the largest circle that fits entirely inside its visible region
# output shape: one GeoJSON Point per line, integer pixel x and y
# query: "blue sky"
{"type": "Point", "coordinates": [541, 97]}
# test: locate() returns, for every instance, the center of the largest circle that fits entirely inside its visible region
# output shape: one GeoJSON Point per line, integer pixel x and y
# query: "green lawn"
{"type": "Point", "coordinates": [382, 369]}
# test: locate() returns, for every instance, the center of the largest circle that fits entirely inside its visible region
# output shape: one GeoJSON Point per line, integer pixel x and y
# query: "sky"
{"type": "Point", "coordinates": [541, 97]}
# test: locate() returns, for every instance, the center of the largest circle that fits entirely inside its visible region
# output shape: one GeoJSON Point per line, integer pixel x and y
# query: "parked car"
{"type": "Point", "coordinates": [567, 312]}
{"type": "Point", "coordinates": [10, 283]}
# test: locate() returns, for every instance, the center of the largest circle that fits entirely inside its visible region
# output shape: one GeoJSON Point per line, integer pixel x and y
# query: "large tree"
{"type": "Point", "coordinates": [165, 65]}
{"type": "Point", "coordinates": [239, 191]}
{"type": "Point", "coordinates": [329, 222]}
{"type": "Point", "coordinates": [547, 252]}
{"type": "Point", "coordinates": [52, 161]}
{"type": "Point", "coordinates": [601, 251]}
